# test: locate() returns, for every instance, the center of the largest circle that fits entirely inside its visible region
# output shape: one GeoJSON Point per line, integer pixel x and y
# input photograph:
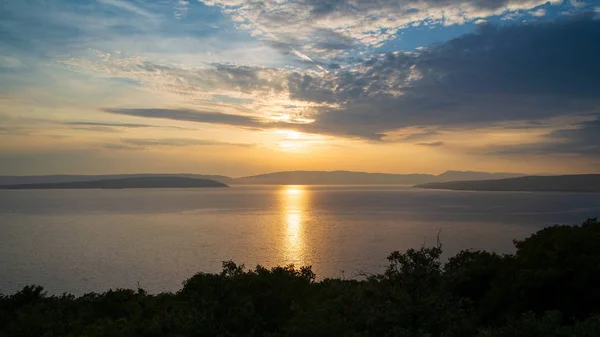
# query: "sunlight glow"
{"type": "Point", "coordinates": [288, 145]}
{"type": "Point", "coordinates": [293, 190]}
{"type": "Point", "coordinates": [293, 140]}
{"type": "Point", "coordinates": [290, 134]}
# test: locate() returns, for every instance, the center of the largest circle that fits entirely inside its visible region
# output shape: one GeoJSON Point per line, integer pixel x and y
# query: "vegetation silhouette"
{"type": "Point", "coordinates": [550, 287]}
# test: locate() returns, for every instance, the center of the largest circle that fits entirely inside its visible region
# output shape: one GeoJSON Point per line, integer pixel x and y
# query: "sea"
{"type": "Point", "coordinates": [80, 241]}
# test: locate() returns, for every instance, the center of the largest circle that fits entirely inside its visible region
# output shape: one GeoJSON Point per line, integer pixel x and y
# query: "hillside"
{"type": "Point", "coordinates": [362, 178]}
{"type": "Point", "coordinates": [67, 178]}
{"type": "Point", "coordinates": [279, 178]}
{"type": "Point", "coordinates": [137, 182]}
{"type": "Point", "coordinates": [563, 183]}
{"type": "Point", "coordinates": [331, 178]}
{"type": "Point", "coordinates": [474, 175]}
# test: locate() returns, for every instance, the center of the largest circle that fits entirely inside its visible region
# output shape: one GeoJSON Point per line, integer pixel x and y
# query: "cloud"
{"type": "Point", "coordinates": [120, 125]}
{"type": "Point", "coordinates": [190, 116]}
{"type": "Point", "coordinates": [120, 147]}
{"type": "Point", "coordinates": [181, 9]}
{"type": "Point", "coordinates": [105, 129]}
{"type": "Point", "coordinates": [577, 3]}
{"type": "Point", "coordinates": [176, 142]}
{"type": "Point", "coordinates": [583, 139]}
{"type": "Point", "coordinates": [193, 83]}
{"type": "Point", "coordinates": [10, 62]}
{"type": "Point", "coordinates": [514, 73]}
{"type": "Point", "coordinates": [124, 125]}
{"type": "Point", "coordinates": [432, 144]}
{"type": "Point", "coordinates": [421, 135]}
{"type": "Point", "coordinates": [538, 12]}
{"type": "Point", "coordinates": [364, 22]}
{"type": "Point", "coordinates": [128, 6]}
{"type": "Point", "coordinates": [14, 130]}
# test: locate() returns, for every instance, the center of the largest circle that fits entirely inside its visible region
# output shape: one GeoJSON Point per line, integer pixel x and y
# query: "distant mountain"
{"type": "Point", "coordinates": [473, 175]}
{"type": "Point", "coordinates": [563, 183]}
{"type": "Point", "coordinates": [280, 178]}
{"type": "Point", "coordinates": [43, 179]}
{"type": "Point", "coordinates": [361, 178]}
{"type": "Point", "coordinates": [331, 178]}
{"type": "Point", "coordinates": [137, 182]}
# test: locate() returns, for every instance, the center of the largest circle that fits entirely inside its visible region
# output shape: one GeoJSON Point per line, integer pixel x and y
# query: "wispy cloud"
{"type": "Point", "coordinates": [583, 139]}
{"type": "Point", "coordinates": [128, 6]}
{"type": "Point", "coordinates": [120, 125]}
{"type": "Point", "coordinates": [14, 130]}
{"type": "Point", "coordinates": [124, 125]}
{"type": "Point", "coordinates": [538, 12]}
{"type": "Point", "coordinates": [190, 116]}
{"type": "Point", "coordinates": [366, 23]}
{"type": "Point", "coordinates": [177, 142]}
{"type": "Point", "coordinates": [181, 9]}
{"type": "Point", "coordinates": [105, 129]}
{"type": "Point", "coordinates": [432, 144]}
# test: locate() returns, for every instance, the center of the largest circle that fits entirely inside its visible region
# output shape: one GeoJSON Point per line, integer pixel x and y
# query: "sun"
{"type": "Point", "coordinates": [290, 134]}
{"type": "Point", "coordinates": [292, 140]}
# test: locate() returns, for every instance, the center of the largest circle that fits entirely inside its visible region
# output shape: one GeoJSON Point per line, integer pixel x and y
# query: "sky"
{"type": "Point", "coordinates": [239, 87]}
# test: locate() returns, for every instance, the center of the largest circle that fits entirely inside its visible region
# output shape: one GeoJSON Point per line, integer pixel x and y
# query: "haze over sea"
{"type": "Point", "coordinates": [92, 240]}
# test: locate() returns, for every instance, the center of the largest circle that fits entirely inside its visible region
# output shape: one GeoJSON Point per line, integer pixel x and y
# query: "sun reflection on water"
{"type": "Point", "coordinates": [294, 214]}
{"type": "Point", "coordinates": [293, 219]}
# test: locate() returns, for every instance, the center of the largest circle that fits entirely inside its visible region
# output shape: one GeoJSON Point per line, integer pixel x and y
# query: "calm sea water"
{"type": "Point", "coordinates": [92, 240]}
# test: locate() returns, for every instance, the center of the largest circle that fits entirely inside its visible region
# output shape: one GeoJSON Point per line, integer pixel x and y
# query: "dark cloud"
{"type": "Point", "coordinates": [368, 22]}
{"type": "Point", "coordinates": [328, 39]}
{"type": "Point", "coordinates": [421, 136]}
{"type": "Point", "coordinates": [190, 116]}
{"type": "Point", "coordinates": [120, 147]}
{"type": "Point", "coordinates": [582, 140]}
{"type": "Point", "coordinates": [283, 47]}
{"type": "Point", "coordinates": [15, 131]}
{"type": "Point", "coordinates": [325, 7]}
{"type": "Point", "coordinates": [514, 73]}
{"type": "Point", "coordinates": [240, 121]}
{"type": "Point", "coordinates": [335, 7]}
{"type": "Point", "coordinates": [105, 129]}
{"type": "Point", "coordinates": [177, 142]}
{"type": "Point", "coordinates": [432, 144]}
{"type": "Point", "coordinates": [121, 125]}
{"type": "Point", "coordinates": [586, 133]}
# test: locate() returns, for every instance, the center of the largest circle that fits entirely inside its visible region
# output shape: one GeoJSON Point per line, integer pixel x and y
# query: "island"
{"type": "Point", "coordinates": [123, 183]}
{"type": "Point", "coordinates": [280, 178]}
{"type": "Point", "coordinates": [363, 178]}
{"type": "Point", "coordinates": [562, 183]}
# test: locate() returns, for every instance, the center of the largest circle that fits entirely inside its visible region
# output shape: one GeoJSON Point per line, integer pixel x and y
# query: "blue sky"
{"type": "Point", "coordinates": [240, 87]}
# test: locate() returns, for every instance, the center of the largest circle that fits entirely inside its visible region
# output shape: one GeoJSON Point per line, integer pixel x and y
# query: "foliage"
{"type": "Point", "coordinates": [548, 288]}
